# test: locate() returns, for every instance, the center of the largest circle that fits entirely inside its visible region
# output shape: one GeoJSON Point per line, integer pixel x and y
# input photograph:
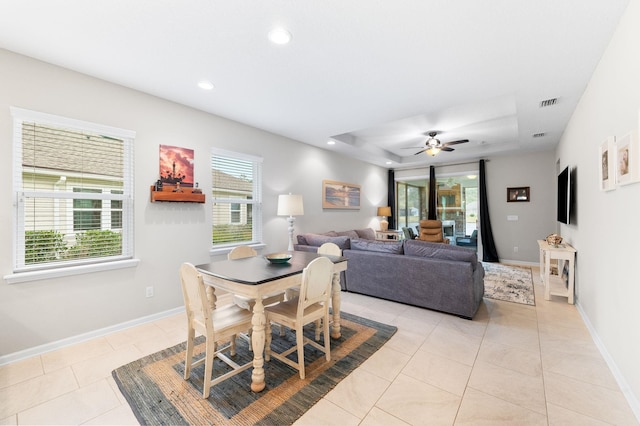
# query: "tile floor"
{"type": "Point", "coordinates": [513, 364]}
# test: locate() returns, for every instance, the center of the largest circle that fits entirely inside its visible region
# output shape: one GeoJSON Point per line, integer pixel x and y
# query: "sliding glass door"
{"type": "Point", "coordinates": [457, 205]}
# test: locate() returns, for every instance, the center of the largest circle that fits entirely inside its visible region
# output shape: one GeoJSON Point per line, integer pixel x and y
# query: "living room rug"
{"type": "Point", "coordinates": [509, 283]}
{"type": "Point", "coordinates": [157, 393]}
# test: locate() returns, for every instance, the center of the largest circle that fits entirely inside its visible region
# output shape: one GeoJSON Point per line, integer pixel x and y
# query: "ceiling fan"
{"type": "Point", "coordinates": [433, 146]}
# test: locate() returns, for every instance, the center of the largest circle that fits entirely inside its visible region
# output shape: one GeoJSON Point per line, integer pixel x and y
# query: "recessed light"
{"type": "Point", "coordinates": [389, 162]}
{"type": "Point", "coordinates": [331, 142]}
{"type": "Point", "coordinates": [279, 36]}
{"type": "Point", "coordinates": [205, 85]}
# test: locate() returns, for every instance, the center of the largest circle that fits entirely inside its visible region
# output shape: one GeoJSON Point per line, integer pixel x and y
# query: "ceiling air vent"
{"type": "Point", "coordinates": [548, 102]}
{"type": "Point", "coordinates": [539, 135]}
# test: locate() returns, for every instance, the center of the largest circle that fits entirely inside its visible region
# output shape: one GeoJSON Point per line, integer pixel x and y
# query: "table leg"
{"type": "Point", "coordinates": [547, 276]}
{"type": "Point", "coordinates": [257, 340]}
{"type": "Point", "coordinates": [211, 296]}
{"type": "Point", "coordinates": [335, 306]}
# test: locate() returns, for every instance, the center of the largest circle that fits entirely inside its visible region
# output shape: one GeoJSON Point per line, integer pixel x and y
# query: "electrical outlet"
{"type": "Point", "coordinates": [149, 291]}
{"type": "Point", "coordinates": [515, 249]}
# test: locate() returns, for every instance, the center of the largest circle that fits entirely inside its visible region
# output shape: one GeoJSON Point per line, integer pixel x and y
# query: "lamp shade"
{"type": "Point", "coordinates": [290, 205]}
{"type": "Point", "coordinates": [384, 211]}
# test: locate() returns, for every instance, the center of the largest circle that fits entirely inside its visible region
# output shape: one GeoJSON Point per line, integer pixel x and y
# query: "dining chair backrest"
{"type": "Point", "coordinates": [316, 283]}
{"type": "Point", "coordinates": [195, 298]}
{"type": "Point", "coordinates": [331, 249]}
{"type": "Point", "coordinates": [240, 252]}
{"type": "Point", "coordinates": [229, 322]}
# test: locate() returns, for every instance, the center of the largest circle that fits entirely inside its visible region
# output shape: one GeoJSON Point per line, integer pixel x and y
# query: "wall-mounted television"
{"type": "Point", "coordinates": [564, 196]}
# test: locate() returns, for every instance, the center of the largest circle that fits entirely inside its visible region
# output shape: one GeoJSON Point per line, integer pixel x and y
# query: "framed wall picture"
{"type": "Point", "coordinates": [340, 195]}
{"type": "Point", "coordinates": [626, 165]}
{"type": "Point", "coordinates": [606, 161]}
{"type": "Point", "coordinates": [519, 194]}
{"type": "Point", "coordinates": [176, 165]}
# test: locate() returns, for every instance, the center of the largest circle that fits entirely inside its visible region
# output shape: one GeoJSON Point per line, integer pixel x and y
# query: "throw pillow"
{"type": "Point", "coordinates": [318, 240]}
{"type": "Point", "coordinates": [439, 251]}
{"type": "Point", "coordinates": [367, 234]}
{"type": "Point", "coordinates": [304, 238]}
{"type": "Point", "coordinates": [350, 234]}
{"type": "Point", "coordinates": [393, 247]}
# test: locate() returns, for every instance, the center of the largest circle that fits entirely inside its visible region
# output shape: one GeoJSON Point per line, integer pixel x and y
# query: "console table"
{"type": "Point", "coordinates": [562, 282]}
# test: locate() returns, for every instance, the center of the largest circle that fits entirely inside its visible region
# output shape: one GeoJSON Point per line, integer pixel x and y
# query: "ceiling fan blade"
{"type": "Point", "coordinates": [413, 147]}
{"type": "Point", "coordinates": [420, 152]}
{"type": "Point", "coordinates": [455, 142]}
{"type": "Point", "coordinates": [446, 148]}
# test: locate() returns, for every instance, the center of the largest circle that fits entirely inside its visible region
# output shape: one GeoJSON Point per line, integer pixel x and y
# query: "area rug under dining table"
{"type": "Point", "coordinates": [157, 393]}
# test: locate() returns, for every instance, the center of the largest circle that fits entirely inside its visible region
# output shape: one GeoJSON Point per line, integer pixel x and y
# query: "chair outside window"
{"type": "Point", "coordinates": [408, 233]}
{"type": "Point", "coordinates": [431, 230]}
{"type": "Point", "coordinates": [311, 305]}
{"type": "Point", "coordinates": [468, 240]}
{"type": "Point", "coordinates": [217, 325]}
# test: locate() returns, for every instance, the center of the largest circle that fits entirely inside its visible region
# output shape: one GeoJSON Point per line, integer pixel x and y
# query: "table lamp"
{"type": "Point", "coordinates": [385, 212]}
{"type": "Point", "coordinates": [290, 205]}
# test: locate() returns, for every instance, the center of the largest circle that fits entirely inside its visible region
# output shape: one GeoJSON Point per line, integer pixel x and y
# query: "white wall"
{"type": "Point", "coordinates": [166, 234]}
{"type": "Point", "coordinates": [537, 218]}
{"type": "Point", "coordinates": [607, 232]}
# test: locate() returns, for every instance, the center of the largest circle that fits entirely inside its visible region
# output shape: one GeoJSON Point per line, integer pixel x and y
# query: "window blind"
{"type": "Point", "coordinates": [237, 198]}
{"type": "Point", "coordinates": [73, 190]}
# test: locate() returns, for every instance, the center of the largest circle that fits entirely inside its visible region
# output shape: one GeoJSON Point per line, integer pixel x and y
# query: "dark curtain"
{"type": "Point", "coordinates": [431, 207]}
{"type": "Point", "coordinates": [489, 251]}
{"type": "Point", "coordinates": [391, 201]}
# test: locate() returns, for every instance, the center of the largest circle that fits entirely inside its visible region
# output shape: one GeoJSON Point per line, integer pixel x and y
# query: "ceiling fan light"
{"type": "Point", "coordinates": [433, 151]}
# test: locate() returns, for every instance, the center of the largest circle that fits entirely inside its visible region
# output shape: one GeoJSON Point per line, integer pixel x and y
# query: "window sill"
{"type": "Point", "coordinates": [217, 251]}
{"type": "Point", "coordinates": [68, 271]}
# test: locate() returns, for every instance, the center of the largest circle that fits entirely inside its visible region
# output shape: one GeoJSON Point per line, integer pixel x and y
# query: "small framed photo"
{"type": "Point", "coordinates": [625, 165]}
{"type": "Point", "coordinates": [607, 164]}
{"type": "Point", "coordinates": [520, 194]}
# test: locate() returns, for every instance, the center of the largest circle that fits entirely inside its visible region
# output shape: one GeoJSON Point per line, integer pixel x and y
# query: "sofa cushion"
{"type": "Point", "coordinates": [366, 234]}
{"type": "Point", "coordinates": [393, 247]}
{"type": "Point", "coordinates": [302, 238]}
{"type": "Point", "coordinates": [318, 240]}
{"type": "Point", "coordinates": [439, 251]}
{"type": "Point", "coordinates": [350, 234]}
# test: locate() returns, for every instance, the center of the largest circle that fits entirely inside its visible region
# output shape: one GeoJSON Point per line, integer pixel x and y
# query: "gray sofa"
{"type": "Point", "coordinates": [430, 275]}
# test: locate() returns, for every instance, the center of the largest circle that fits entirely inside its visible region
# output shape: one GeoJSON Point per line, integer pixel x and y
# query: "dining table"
{"type": "Point", "coordinates": [255, 277]}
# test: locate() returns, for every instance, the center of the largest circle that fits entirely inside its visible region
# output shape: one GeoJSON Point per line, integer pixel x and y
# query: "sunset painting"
{"type": "Point", "coordinates": [176, 165]}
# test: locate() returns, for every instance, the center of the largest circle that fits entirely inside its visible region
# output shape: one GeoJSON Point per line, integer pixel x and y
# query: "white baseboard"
{"type": "Point", "coordinates": [632, 399]}
{"type": "Point", "coordinates": [48, 347]}
{"type": "Point", "coordinates": [519, 262]}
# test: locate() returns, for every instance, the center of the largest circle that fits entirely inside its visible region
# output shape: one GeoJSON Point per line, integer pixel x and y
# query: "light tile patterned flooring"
{"type": "Point", "coordinates": [513, 364]}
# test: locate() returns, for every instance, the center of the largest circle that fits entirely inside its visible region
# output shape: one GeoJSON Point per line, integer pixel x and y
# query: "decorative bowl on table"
{"type": "Point", "coordinates": [278, 257]}
{"type": "Point", "coordinates": [554, 240]}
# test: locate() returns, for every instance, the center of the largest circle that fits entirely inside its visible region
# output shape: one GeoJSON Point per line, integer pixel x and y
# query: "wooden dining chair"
{"type": "Point", "coordinates": [241, 252]}
{"type": "Point", "coordinates": [330, 249]}
{"type": "Point", "coordinates": [311, 305]}
{"type": "Point", "coordinates": [217, 325]}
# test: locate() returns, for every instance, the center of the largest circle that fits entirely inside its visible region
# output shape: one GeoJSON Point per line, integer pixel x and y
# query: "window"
{"type": "Point", "coordinates": [411, 200]}
{"type": "Point", "coordinates": [235, 211]}
{"type": "Point", "coordinates": [86, 213]}
{"type": "Point", "coordinates": [237, 198]}
{"type": "Point", "coordinates": [73, 189]}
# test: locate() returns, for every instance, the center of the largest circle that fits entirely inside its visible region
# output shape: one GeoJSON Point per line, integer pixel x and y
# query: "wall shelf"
{"type": "Point", "coordinates": [167, 194]}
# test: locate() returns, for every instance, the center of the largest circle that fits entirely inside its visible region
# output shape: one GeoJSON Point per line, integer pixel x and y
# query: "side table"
{"type": "Point", "coordinates": [391, 234]}
{"type": "Point", "coordinates": [562, 282]}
